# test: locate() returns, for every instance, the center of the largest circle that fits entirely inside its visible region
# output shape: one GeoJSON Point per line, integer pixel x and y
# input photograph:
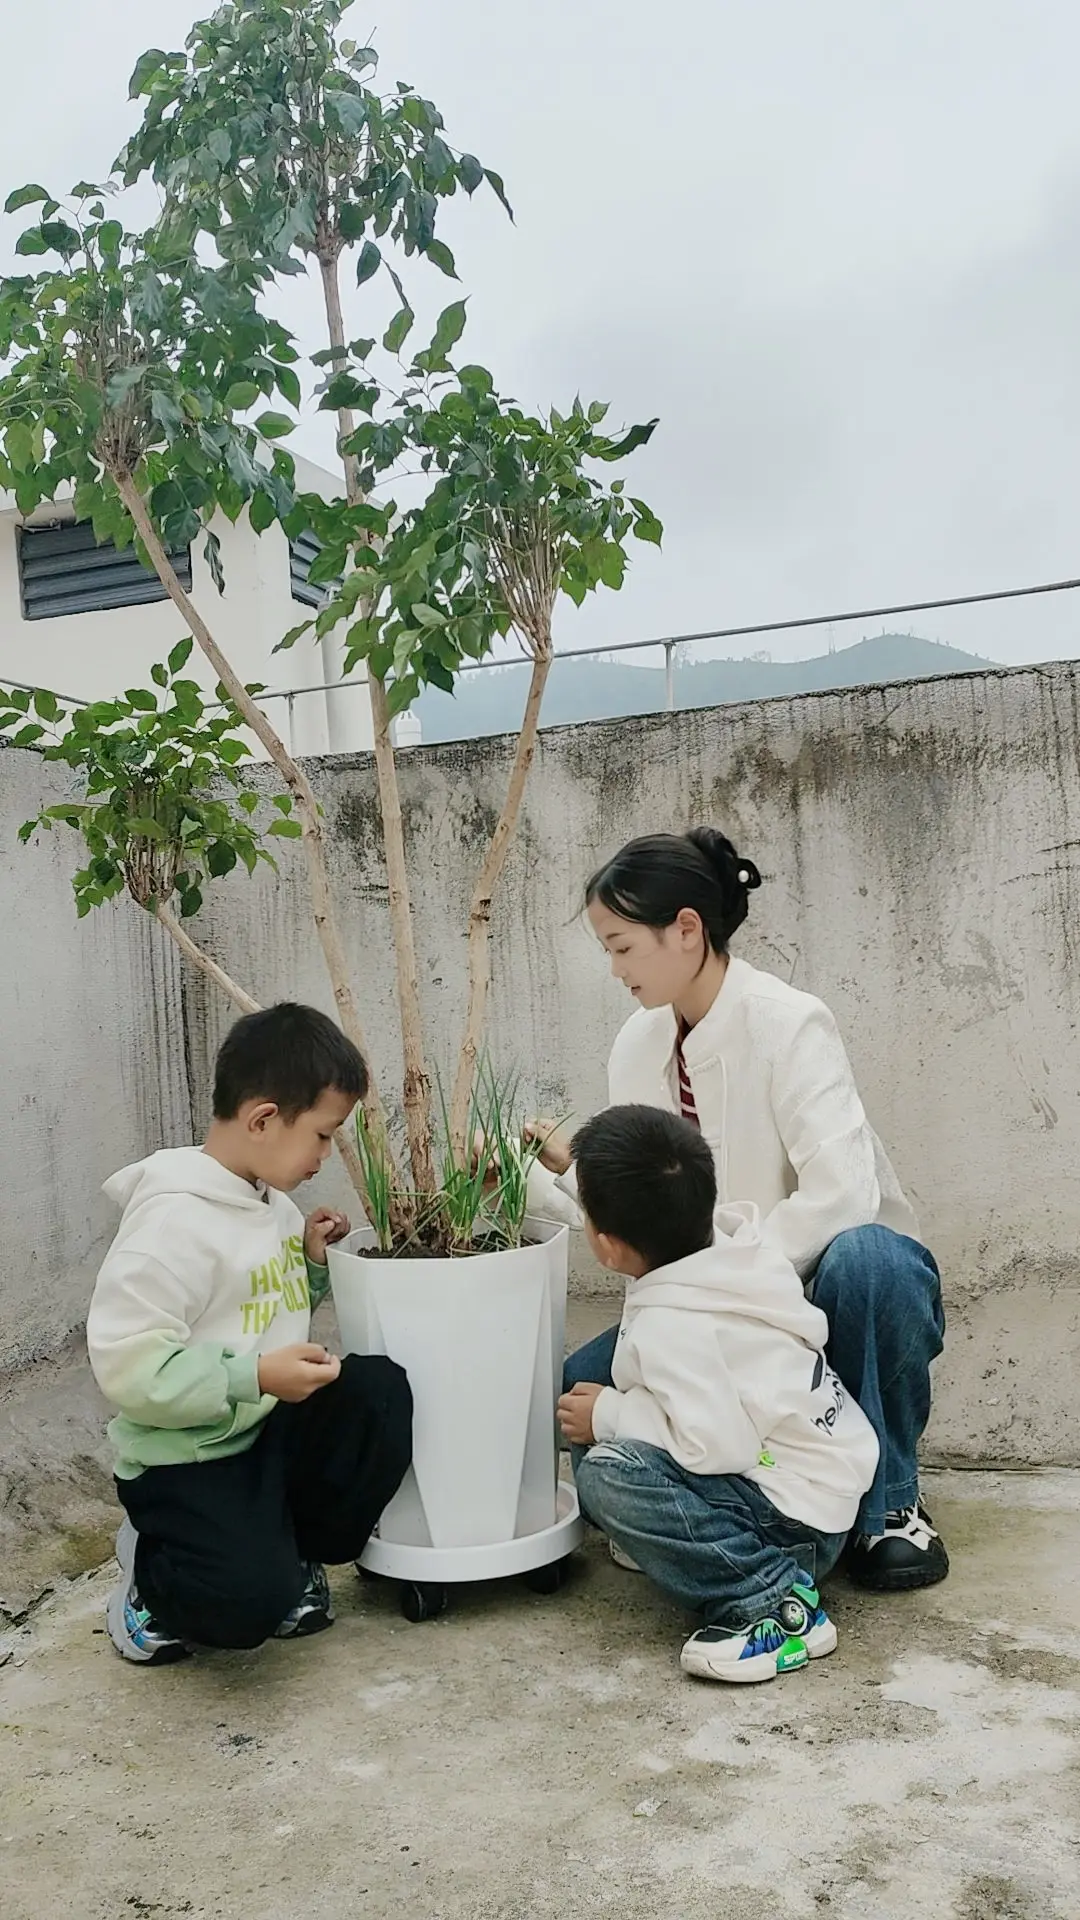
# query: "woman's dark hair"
{"type": "Point", "coordinates": [288, 1054]}
{"type": "Point", "coordinates": [651, 880]}
{"type": "Point", "coordinates": [647, 1178]}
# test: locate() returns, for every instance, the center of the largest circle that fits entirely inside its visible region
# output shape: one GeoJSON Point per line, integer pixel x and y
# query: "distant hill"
{"type": "Point", "coordinates": [605, 689]}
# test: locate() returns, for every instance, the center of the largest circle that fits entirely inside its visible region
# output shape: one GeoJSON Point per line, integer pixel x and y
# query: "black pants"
{"type": "Point", "coordinates": [221, 1541]}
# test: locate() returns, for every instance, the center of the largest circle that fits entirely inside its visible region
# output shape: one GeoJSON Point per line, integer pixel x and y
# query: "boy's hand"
{"type": "Point", "coordinates": [575, 1411]}
{"type": "Point", "coordinates": [323, 1229]}
{"type": "Point", "coordinates": [295, 1373]}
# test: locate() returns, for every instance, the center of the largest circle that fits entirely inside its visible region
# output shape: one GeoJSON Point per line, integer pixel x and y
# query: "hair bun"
{"type": "Point", "coordinates": [721, 855]}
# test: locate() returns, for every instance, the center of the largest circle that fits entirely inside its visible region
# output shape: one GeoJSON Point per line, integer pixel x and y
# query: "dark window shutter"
{"type": "Point", "coordinates": [63, 569]}
{"type": "Point", "coordinates": [302, 551]}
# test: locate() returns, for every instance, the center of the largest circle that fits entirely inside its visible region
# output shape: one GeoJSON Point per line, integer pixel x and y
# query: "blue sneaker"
{"type": "Point", "coordinates": [799, 1631]}
{"type": "Point", "coordinates": [134, 1632]}
{"type": "Point", "coordinates": [314, 1611]}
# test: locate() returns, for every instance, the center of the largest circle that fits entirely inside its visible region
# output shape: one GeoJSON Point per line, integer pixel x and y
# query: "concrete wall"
{"type": "Point", "coordinates": [93, 1068]}
{"type": "Point", "coordinates": [94, 655]}
{"type": "Point", "coordinates": [922, 852]}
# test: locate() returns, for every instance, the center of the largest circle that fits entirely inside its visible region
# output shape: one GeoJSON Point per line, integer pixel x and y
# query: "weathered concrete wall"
{"type": "Point", "coordinates": [922, 852]}
{"type": "Point", "coordinates": [93, 1068]}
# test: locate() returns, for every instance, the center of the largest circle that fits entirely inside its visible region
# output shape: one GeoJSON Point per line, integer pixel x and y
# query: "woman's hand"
{"type": "Point", "coordinates": [554, 1152]}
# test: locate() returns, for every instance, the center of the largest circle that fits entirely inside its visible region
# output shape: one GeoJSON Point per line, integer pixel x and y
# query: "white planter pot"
{"type": "Point", "coordinates": [482, 1342]}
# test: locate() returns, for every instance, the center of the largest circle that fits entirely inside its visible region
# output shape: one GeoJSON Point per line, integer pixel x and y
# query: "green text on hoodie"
{"type": "Point", "coordinates": [206, 1273]}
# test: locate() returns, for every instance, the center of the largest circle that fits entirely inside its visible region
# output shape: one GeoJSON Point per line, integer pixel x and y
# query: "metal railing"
{"type": "Point", "coordinates": [670, 642]}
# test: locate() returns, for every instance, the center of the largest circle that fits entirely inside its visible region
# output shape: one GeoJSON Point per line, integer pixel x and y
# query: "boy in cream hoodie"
{"type": "Point", "coordinates": [246, 1455]}
{"type": "Point", "coordinates": [723, 1458]}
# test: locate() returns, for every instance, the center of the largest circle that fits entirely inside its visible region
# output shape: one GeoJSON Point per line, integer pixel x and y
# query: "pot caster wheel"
{"type": "Point", "coordinates": [548, 1579]}
{"type": "Point", "coordinates": [422, 1602]}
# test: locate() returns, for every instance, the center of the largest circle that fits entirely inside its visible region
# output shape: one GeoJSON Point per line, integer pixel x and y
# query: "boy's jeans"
{"type": "Point", "coordinates": [711, 1541]}
{"type": "Point", "coordinates": [881, 1294]}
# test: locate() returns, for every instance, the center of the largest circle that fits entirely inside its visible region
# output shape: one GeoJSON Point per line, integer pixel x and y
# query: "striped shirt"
{"type": "Point", "coordinates": [687, 1105]}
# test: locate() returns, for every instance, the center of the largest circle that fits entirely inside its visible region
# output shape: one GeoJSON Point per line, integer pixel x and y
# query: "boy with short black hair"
{"type": "Point", "coordinates": [723, 1458]}
{"type": "Point", "coordinates": [246, 1455]}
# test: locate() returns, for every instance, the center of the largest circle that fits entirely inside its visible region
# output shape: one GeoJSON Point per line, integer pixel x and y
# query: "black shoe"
{"type": "Point", "coordinates": [907, 1555]}
{"type": "Point", "coordinates": [313, 1612]}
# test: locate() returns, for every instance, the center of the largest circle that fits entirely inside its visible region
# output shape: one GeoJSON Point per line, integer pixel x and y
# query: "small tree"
{"type": "Point", "coordinates": [130, 368]}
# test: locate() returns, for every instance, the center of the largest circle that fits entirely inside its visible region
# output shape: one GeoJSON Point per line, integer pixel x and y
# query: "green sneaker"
{"type": "Point", "coordinates": [799, 1631]}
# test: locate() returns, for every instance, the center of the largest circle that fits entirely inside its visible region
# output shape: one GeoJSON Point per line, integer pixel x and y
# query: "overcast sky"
{"type": "Point", "coordinates": [835, 246]}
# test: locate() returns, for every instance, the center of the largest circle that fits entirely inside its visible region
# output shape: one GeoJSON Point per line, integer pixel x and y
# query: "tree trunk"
{"type": "Point", "coordinates": [479, 954]}
{"type": "Point", "coordinates": [195, 954]}
{"type": "Point", "coordinates": [416, 1093]}
{"type": "Point", "coordinates": [297, 782]}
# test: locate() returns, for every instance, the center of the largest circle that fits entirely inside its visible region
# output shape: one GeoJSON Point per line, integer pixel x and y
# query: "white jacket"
{"type": "Point", "coordinates": [206, 1274]}
{"type": "Point", "coordinates": [720, 1361]}
{"type": "Point", "coordinates": [778, 1105]}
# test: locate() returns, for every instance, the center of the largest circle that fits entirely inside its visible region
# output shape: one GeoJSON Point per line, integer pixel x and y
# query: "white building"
{"type": "Point", "coordinates": [89, 621]}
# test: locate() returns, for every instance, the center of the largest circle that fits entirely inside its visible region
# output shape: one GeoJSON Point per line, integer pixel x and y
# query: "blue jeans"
{"type": "Point", "coordinates": [881, 1294]}
{"type": "Point", "coordinates": [711, 1541]}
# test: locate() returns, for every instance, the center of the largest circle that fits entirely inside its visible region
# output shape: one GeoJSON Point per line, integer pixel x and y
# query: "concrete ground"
{"type": "Point", "coordinates": [526, 1756]}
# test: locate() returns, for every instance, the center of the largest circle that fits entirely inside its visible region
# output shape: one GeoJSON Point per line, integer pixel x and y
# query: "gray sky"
{"type": "Point", "coordinates": [834, 246]}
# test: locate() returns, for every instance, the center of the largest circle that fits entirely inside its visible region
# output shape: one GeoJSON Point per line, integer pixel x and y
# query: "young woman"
{"type": "Point", "coordinates": [761, 1069]}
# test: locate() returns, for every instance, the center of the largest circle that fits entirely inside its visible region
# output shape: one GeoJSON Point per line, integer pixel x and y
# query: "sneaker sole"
{"type": "Point", "coordinates": [821, 1641]}
{"type": "Point", "coordinates": [906, 1580]}
{"type": "Point", "coordinates": [742, 1673]}
{"type": "Point", "coordinates": [312, 1623]}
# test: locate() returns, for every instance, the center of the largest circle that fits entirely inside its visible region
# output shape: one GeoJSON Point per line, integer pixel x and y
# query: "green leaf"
{"type": "Point", "coordinates": [123, 383]}
{"type": "Point", "coordinates": [283, 802]}
{"type": "Point", "coordinates": [288, 383]}
{"type": "Point", "coordinates": [349, 110]}
{"type": "Point", "coordinates": [19, 442]}
{"type": "Point", "coordinates": [646, 525]}
{"type": "Point", "coordinates": [31, 242]}
{"type": "Point", "coordinates": [618, 449]}
{"type": "Point", "coordinates": [27, 736]}
{"type": "Point", "coordinates": [220, 146]}
{"type": "Point", "coordinates": [159, 675]}
{"type": "Point", "coordinates": [27, 196]}
{"type": "Point", "coordinates": [220, 859]}
{"type": "Point", "coordinates": [285, 829]}
{"type": "Point", "coordinates": [180, 655]}
{"type": "Point", "coordinates": [261, 511]}
{"type": "Point", "coordinates": [399, 329]}
{"type": "Point", "coordinates": [166, 412]}
{"type": "Point", "coordinates": [141, 699]}
{"type": "Point", "coordinates": [190, 902]}
{"type": "Point", "coordinates": [46, 705]}
{"type": "Point", "coordinates": [249, 802]}
{"type": "Point", "coordinates": [495, 181]}
{"type": "Point", "coordinates": [451, 326]}
{"type": "Point", "coordinates": [427, 616]}
{"type": "Point", "coordinates": [110, 236]}
{"type": "Point", "coordinates": [148, 64]}
{"type": "Point", "coordinates": [294, 634]}
{"type": "Point", "coordinates": [242, 396]}
{"type": "Point", "coordinates": [273, 426]}
{"type": "Point", "coordinates": [400, 694]}
{"type": "Point", "coordinates": [369, 262]}
{"type": "Point", "coordinates": [470, 172]}
{"type": "Point", "coordinates": [440, 256]}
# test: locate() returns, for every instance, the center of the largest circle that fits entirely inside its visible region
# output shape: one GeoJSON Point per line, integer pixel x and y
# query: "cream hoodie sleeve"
{"type": "Point", "coordinates": [139, 1339]}
{"type": "Point", "coordinates": [690, 1407]}
{"type": "Point", "coordinates": [827, 1139]}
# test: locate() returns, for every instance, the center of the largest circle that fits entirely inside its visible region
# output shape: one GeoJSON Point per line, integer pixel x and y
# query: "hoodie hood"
{"type": "Point", "coordinates": [738, 1273]}
{"type": "Point", "coordinates": [182, 1170]}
